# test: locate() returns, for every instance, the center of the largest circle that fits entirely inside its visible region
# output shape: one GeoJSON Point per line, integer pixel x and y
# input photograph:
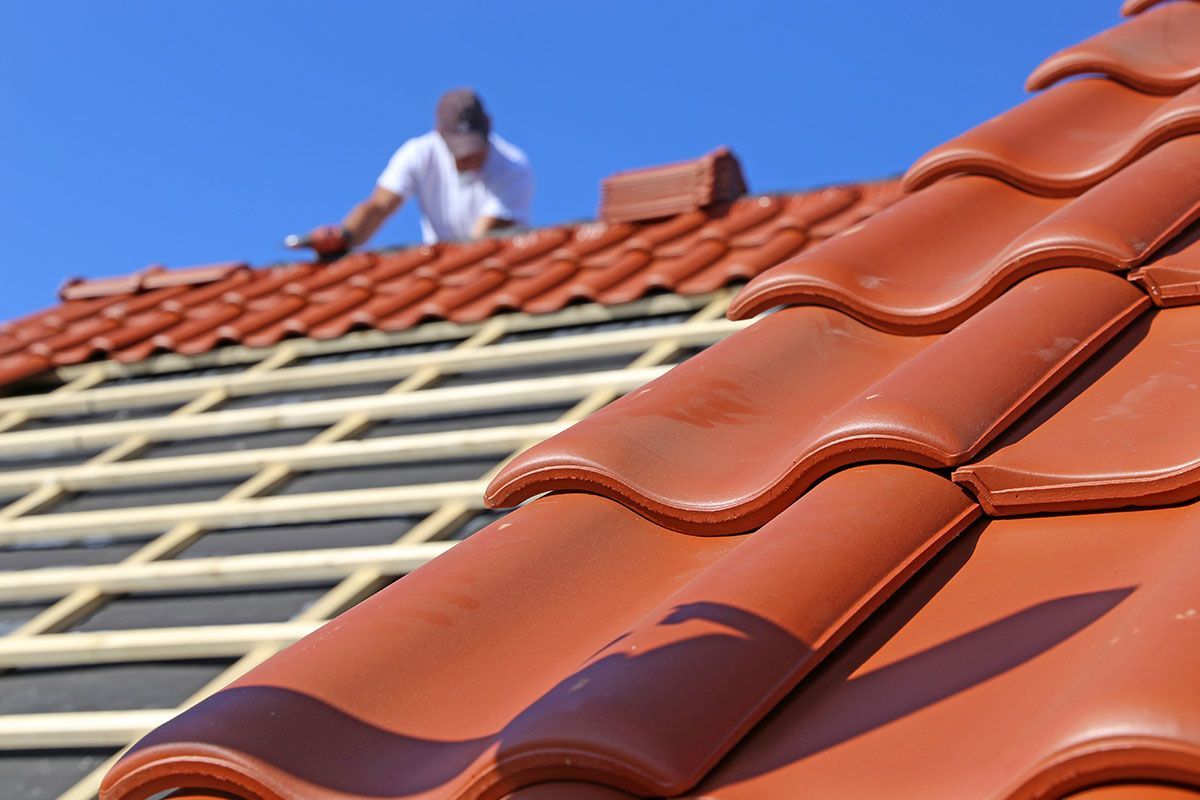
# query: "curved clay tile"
{"type": "Point", "coordinates": [390, 266]}
{"type": "Point", "coordinates": [514, 294]}
{"type": "Point", "coordinates": [1173, 277]}
{"type": "Point", "coordinates": [1156, 52]}
{"type": "Point", "coordinates": [280, 308]}
{"type": "Point", "coordinates": [181, 337]}
{"type": "Point", "coordinates": [315, 313]}
{"type": "Point", "coordinates": [729, 438]}
{"type": "Point", "coordinates": [631, 256]}
{"type": "Point", "coordinates": [1065, 139]}
{"type": "Point", "coordinates": [1033, 658]}
{"type": "Point", "coordinates": [22, 365]}
{"type": "Point", "coordinates": [929, 261]}
{"type": "Point", "coordinates": [918, 266]}
{"type": "Point", "coordinates": [612, 702]}
{"type": "Point", "coordinates": [1144, 395]}
{"type": "Point", "coordinates": [382, 305]}
{"type": "Point", "coordinates": [334, 716]}
{"type": "Point", "coordinates": [201, 300]}
{"type": "Point", "coordinates": [630, 712]}
{"type": "Point", "coordinates": [443, 303]}
{"type": "Point", "coordinates": [522, 248]}
{"type": "Point", "coordinates": [461, 256]}
{"type": "Point", "coordinates": [1131, 7]}
{"type": "Point", "coordinates": [686, 259]}
{"type": "Point", "coordinates": [741, 264]}
{"type": "Point", "coordinates": [267, 283]}
{"type": "Point", "coordinates": [135, 330]}
{"type": "Point", "coordinates": [72, 338]}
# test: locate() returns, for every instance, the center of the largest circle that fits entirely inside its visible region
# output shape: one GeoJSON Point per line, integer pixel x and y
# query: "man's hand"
{"type": "Point", "coordinates": [485, 225]}
{"type": "Point", "coordinates": [330, 241]}
{"type": "Point", "coordinates": [334, 241]}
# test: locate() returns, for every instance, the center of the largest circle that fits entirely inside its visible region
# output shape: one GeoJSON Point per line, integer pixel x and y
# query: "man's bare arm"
{"type": "Point", "coordinates": [485, 225]}
{"type": "Point", "coordinates": [366, 217]}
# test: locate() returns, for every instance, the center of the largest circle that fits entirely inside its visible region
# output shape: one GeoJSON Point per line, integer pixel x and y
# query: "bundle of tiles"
{"type": "Point", "coordinates": [653, 192]}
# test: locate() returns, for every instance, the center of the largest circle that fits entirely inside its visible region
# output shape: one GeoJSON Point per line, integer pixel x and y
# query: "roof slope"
{"type": "Point", "coordinates": [197, 309]}
{"type": "Point", "coordinates": [859, 629]}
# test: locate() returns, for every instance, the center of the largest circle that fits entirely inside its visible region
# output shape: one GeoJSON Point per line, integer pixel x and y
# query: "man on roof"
{"type": "Point", "coordinates": [467, 181]}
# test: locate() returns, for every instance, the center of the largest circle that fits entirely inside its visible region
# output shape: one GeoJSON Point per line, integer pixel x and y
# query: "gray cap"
{"type": "Point", "coordinates": [462, 122]}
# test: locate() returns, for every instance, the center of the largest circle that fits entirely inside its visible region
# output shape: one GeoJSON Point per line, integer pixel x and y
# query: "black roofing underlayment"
{"type": "Point", "coordinates": [45, 774]}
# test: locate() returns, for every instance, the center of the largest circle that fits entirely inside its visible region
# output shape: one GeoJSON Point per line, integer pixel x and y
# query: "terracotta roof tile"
{"type": "Point", "coordinates": [538, 271]}
{"type": "Point", "coordinates": [698, 610]}
{"type": "Point", "coordinates": [153, 277]}
{"type": "Point", "coordinates": [984, 235]}
{"type": "Point", "coordinates": [1065, 139]}
{"type": "Point", "coordinates": [1131, 7]}
{"type": "Point", "coordinates": [1173, 277]}
{"type": "Point", "coordinates": [1145, 395]}
{"type": "Point", "coordinates": [726, 440]}
{"type": "Point", "coordinates": [653, 192]}
{"type": "Point", "coordinates": [1036, 657]}
{"type": "Point", "coordinates": [1158, 51]}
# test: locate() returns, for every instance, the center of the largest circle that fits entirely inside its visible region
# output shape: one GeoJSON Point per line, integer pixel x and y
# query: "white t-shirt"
{"type": "Point", "coordinates": [451, 201]}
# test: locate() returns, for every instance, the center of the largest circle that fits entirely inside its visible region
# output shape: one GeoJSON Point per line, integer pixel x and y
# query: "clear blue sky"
{"type": "Point", "coordinates": [187, 132]}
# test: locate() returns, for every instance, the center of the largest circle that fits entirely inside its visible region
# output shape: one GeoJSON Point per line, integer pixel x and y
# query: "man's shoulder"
{"type": "Point", "coordinates": [425, 143]}
{"type": "Point", "coordinates": [512, 157]}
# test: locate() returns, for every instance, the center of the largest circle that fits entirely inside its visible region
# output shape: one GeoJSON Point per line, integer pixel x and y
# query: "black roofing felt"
{"type": "Point", "coordinates": [40, 775]}
{"type": "Point", "coordinates": [142, 496]}
{"type": "Point", "coordinates": [230, 442]}
{"type": "Point", "coordinates": [301, 536]}
{"type": "Point", "coordinates": [105, 687]}
{"type": "Point", "coordinates": [199, 607]}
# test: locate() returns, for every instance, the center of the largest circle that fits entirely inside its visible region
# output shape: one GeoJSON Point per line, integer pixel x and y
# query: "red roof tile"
{"type": "Point", "coordinates": [579, 648]}
{"type": "Point", "coordinates": [1144, 394]}
{"type": "Point", "coordinates": [1131, 7]}
{"type": "Point", "coordinates": [728, 439]}
{"type": "Point", "coordinates": [1173, 277]}
{"type": "Point", "coordinates": [195, 309]}
{"type": "Point", "coordinates": [642, 194]}
{"type": "Point", "coordinates": [153, 277]}
{"type": "Point", "coordinates": [1036, 657]}
{"type": "Point", "coordinates": [1066, 139]}
{"type": "Point", "coordinates": [983, 235]}
{"type": "Point", "coordinates": [1156, 52]}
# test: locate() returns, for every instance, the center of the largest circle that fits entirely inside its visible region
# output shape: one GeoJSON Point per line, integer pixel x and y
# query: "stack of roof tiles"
{"type": "Point", "coordinates": [195, 310]}
{"type": "Point", "coordinates": [642, 194]}
{"type": "Point", "coordinates": [882, 614]}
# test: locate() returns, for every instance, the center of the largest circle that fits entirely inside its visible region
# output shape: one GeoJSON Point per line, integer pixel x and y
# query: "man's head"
{"type": "Point", "coordinates": [464, 126]}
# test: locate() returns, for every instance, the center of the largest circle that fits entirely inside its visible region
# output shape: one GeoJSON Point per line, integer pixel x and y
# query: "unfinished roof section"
{"type": "Point", "coordinates": [172, 520]}
{"type": "Point", "coordinates": [199, 309]}
{"type": "Point", "coordinates": [152, 551]}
